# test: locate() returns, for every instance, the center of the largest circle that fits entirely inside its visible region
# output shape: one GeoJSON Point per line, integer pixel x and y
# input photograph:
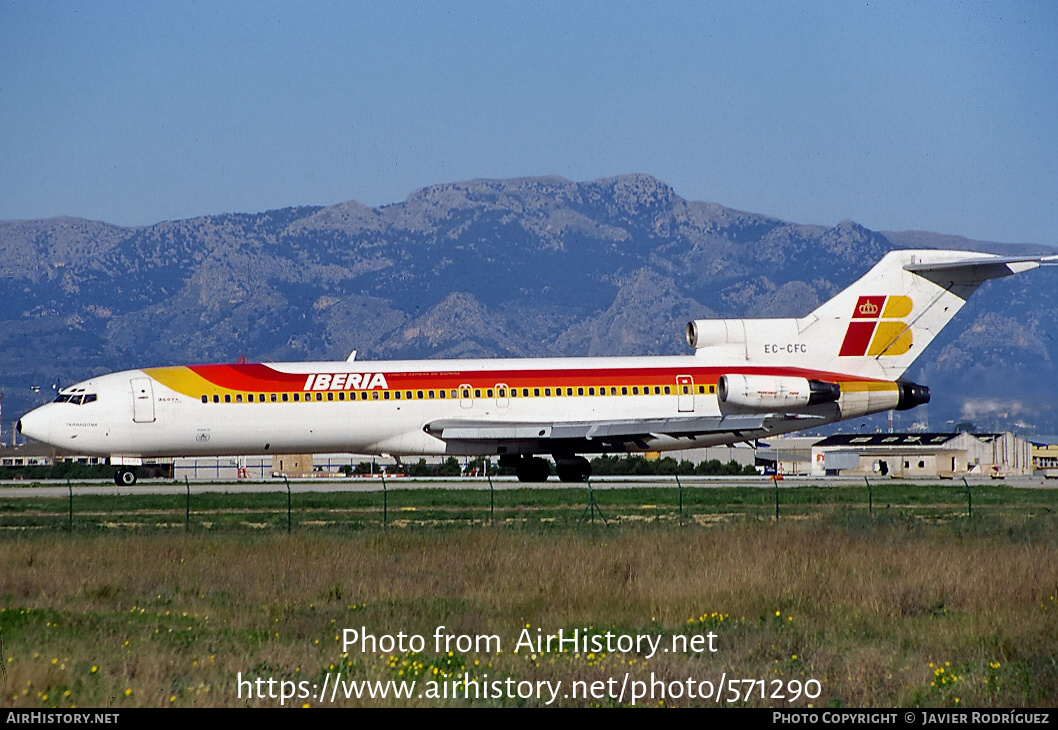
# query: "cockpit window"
{"type": "Point", "coordinates": [76, 398]}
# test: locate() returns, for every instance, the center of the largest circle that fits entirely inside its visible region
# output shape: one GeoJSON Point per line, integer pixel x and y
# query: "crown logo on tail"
{"type": "Point", "coordinates": [874, 331]}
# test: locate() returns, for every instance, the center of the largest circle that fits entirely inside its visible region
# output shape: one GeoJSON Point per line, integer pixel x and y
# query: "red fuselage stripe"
{"type": "Point", "coordinates": [261, 378]}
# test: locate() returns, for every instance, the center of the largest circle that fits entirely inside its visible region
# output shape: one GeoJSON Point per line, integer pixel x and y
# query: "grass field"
{"type": "Point", "coordinates": [912, 604]}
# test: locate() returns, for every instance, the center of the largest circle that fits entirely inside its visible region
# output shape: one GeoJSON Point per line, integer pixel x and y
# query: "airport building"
{"type": "Point", "coordinates": [911, 455]}
{"type": "Point", "coordinates": [33, 453]}
{"type": "Point", "coordinates": [1045, 459]}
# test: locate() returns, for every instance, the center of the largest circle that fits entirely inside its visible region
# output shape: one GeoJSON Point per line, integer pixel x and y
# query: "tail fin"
{"type": "Point", "coordinates": [876, 327]}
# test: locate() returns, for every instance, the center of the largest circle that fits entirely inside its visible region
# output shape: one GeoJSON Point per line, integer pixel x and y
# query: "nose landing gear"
{"type": "Point", "coordinates": [125, 477]}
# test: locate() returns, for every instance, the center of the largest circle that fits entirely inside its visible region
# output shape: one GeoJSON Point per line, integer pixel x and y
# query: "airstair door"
{"type": "Point", "coordinates": [142, 400]}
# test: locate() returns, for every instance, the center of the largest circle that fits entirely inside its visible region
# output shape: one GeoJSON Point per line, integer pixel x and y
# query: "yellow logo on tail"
{"type": "Point", "coordinates": [869, 334]}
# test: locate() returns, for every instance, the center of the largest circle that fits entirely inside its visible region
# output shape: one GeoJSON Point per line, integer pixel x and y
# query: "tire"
{"type": "Point", "coordinates": [575, 470]}
{"type": "Point", "coordinates": [533, 469]}
{"type": "Point", "coordinates": [125, 477]}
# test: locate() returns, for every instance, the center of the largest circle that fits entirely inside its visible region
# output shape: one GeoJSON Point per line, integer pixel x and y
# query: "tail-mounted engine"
{"type": "Point", "coordinates": [911, 395]}
{"type": "Point", "coordinates": [774, 393]}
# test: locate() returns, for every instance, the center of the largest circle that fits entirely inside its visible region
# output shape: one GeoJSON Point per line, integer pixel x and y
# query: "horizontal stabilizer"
{"type": "Point", "coordinates": [979, 269]}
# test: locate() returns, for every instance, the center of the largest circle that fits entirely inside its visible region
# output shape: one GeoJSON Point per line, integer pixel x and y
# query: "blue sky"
{"type": "Point", "coordinates": [935, 116]}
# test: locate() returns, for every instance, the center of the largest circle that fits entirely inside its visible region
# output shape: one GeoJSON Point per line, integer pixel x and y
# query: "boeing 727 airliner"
{"type": "Point", "coordinates": [747, 379]}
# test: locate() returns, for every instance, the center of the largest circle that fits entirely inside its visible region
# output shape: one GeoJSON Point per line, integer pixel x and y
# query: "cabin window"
{"type": "Point", "coordinates": [591, 391]}
{"type": "Point", "coordinates": [385, 396]}
{"type": "Point", "coordinates": [536, 392]}
{"type": "Point", "coordinates": [580, 391]}
{"type": "Point", "coordinates": [712, 388]}
{"type": "Point", "coordinates": [363, 395]}
{"type": "Point", "coordinates": [262, 398]}
{"type": "Point", "coordinates": [635, 390]}
{"type": "Point", "coordinates": [204, 399]}
{"type": "Point", "coordinates": [227, 398]}
{"type": "Point", "coordinates": [297, 397]}
{"type": "Point", "coordinates": [216, 399]}
{"type": "Point", "coordinates": [441, 394]}
{"type": "Point", "coordinates": [466, 393]}
{"type": "Point", "coordinates": [558, 391]}
{"type": "Point", "coordinates": [547, 392]}
{"type": "Point", "coordinates": [488, 392]}
{"type": "Point", "coordinates": [685, 390]}
{"type": "Point", "coordinates": [238, 398]}
{"type": "Point", "coordinates": [286, 397]}
{"type": "Point", "coordinates": [418, 394]}
{"type": "Point", "coordinates": [657, 390]}
{"type": "Point", "coordinates": [429, 394]}
{"type": "Point", "coordinates": [569, 391]}
{"type": "Point", "coordinates": [477, 392]}
{"type": "Point", "coordinates": [273, 398]}
{"type": "Point", "coordinates": [668, 391]}
{"type": "Point", "coordinates": [396, 395]}
{"type": "Point", "coordinates": [374, 395]}
{"type": "Point", "coordinates": [514, 392]}
{"type": "Point", "coordinates": [503, 392]}
{"type": "Point", "coordinates": [624, 390]}
{"type": "Point", "coordinates": [341, 395]}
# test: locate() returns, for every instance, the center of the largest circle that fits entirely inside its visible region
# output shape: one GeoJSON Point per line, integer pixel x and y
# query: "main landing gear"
{"type": "Point", "coordinates": [125, 477]}
{"type": "Point", "coordinates": [531, 468]}
{"type": "Point", "coordinates": [574, 469]}
{"type": "Point", "coordinates": [535, 469]}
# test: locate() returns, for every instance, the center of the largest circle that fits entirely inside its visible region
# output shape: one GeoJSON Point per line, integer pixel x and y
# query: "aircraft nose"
{"type": "Point", "coordinates": [35, 425]}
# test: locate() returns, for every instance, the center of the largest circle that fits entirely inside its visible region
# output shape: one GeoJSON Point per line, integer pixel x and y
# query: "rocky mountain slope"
{"type": "Point", "coordinates": [524, 267]}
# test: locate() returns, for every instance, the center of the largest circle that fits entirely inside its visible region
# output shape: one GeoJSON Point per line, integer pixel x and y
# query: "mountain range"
{"type": "Point", "coordinates": [529, 267]}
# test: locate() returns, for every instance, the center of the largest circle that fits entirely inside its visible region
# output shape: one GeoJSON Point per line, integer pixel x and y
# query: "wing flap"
{"type": "Point", "coordinates": [617, 430]}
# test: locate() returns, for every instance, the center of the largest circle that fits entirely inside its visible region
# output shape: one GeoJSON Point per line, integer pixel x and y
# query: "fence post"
{"type": "Point", "coordinates": [775, 480]}
{"type": "Point", "coordinates": [187, 506]}
{"type": "Point", "coordinates": [681, 495]}
{"type": "Point", "coordinates": [289, 521]}
{"type": "Point", "coordinates": [870, 498]}
{"type": "Point", "coordinates": [69, 523]}
{"type": "Point", "coordinates": [969, 498]}
{"type": "Point", "coordinates": [492, 501]}
{"type": "Point", "coordinates": [385, 497]}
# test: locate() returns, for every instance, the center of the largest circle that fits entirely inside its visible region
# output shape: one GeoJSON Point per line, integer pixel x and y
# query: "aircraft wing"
{"type": "Point", "coordinates": [593, 436]}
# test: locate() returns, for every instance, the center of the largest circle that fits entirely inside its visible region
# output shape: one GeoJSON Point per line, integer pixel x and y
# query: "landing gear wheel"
{"type": "Point", "coordinates": [574, 470]}
{"type": "Point", "coordinates": [125, 477]}
{"type": "Point", "coordinates": [533, 469]}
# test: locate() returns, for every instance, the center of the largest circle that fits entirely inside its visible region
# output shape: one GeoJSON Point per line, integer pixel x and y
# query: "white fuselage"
{"type": "Point", "coordinates": [382, 407]}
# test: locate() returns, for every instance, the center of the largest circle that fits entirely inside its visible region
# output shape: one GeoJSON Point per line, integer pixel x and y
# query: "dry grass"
{"type": "Point", "coordinates": [864, 609]}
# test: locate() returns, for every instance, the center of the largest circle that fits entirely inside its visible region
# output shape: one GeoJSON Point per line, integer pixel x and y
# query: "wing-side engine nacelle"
{"type": "Point", "coordinates": [771, 393]}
